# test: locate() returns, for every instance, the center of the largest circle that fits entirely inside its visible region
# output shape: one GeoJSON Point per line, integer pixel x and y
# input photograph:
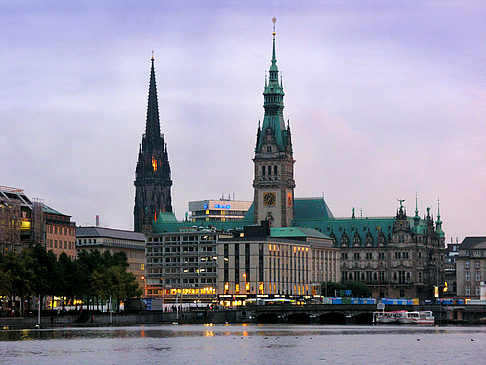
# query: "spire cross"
{"type": "Point", "coordinates": [274, 20]}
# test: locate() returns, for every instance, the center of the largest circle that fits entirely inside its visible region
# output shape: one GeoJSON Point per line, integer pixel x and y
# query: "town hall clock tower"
{"type": "Point", "coordinates": [274, 164]}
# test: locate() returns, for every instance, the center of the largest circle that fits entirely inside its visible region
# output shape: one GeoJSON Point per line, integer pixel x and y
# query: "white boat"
{"type": "Point", "coordinates": [404, 317]}
{"type": "Point", "coordinates": [388, 317]}
{"type": "Point", "coordinates": [421, 317]}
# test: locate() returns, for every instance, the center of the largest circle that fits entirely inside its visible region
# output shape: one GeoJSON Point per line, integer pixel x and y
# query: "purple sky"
{"type": "Point", "coordinates": [385, 99]}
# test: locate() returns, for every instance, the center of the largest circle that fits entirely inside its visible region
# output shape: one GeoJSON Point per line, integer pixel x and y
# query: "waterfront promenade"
{"type": "Point", "coordinates": [292, 314]}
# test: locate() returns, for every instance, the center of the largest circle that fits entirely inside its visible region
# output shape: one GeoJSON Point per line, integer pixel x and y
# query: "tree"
{"type": "Point", "coordinates": [358, 290]}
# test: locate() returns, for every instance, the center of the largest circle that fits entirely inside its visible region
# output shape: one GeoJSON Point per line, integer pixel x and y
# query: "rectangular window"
{"type": "Point", "coordinates": [356, 255]}
{"type": "Point", "coordinates": [467, 276]}
{"type": "Point", "coordinates": [382, 255]}
{"type": "Point", "coordinates": [401, 277]}
{"type": "Point", "coordinates": [369, 255]}
{"type": "Point", "coordinates": [369, 276]}
{"type": "Point", "coordinates": [468, 290]}
{"type": "Point", "coordinates": [478, 276]}
{"type": "Point", "coordinates": [382, 276]}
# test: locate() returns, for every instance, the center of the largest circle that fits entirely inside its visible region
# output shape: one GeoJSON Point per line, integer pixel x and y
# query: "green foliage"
{"type": "Point", "coordinates": [359, 290]}
{"type": "Point", "coordinates": [91, 274]}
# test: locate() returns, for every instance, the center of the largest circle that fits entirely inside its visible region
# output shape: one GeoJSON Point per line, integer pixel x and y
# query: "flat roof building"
{"type": "Point", "coordinates": [116, 240]}
{"type": "Point", "coordinates": [218, 210]}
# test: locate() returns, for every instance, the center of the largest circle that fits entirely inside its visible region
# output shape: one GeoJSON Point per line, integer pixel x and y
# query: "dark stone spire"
{"type": "Point", "coordinates": [152, 175]}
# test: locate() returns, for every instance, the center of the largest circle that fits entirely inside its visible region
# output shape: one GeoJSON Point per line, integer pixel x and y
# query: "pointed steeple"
{"type": "Point", "coordinates": [438, 222]}
{"type": "Point", "coordinates": [152, 127]}
{"type": "Point", "coordinates": [273, 121]}
{"type": "Point", "coordinates": [152, 174]}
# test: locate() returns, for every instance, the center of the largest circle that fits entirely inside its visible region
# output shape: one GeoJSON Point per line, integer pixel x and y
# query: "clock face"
{"type": "Point", "coordinates": [269, 199]}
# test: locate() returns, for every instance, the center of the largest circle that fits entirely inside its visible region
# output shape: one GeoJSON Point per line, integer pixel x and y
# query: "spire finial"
{"type": "Point", "coordinates": [274, 20]}
{"type": "Point", "coordinates": [152, 55]}
{"type": "Point", "coordinates": [438, 208]}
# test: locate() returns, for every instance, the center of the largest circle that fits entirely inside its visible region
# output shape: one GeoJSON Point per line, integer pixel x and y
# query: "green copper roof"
{"type": "Point", "coordinates": [49, 210]}
{"type": "Point", "coordinates": [296, 232]}
{"type": "Point", "coordinates": [273, 121]}
{"type": "Point", "coordinates": [310, 208]}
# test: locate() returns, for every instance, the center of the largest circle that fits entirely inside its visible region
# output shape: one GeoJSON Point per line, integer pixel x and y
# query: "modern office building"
{"type": "Point", "coordinates": [116, 240]}
{"type": "Point", "coordinates": [222, 210]}
{"type": "Point", "coordinates": [182, 264]}
{"type": "Point", "coordinates": [283, 261]}
{"type": "Point", "coordinates": [205, 264]}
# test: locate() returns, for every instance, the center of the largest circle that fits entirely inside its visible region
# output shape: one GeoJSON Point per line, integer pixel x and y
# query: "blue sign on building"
{"type": "Point", "coordinates": [222, 206]}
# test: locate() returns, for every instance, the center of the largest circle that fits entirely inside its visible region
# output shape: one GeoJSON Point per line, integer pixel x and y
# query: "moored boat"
{"type": "Point", "coordinates": [404, 317]}
{"type": "Point", "coordinates": [421, 317]}
{"type": "Point", "coordinates": [387, 317]}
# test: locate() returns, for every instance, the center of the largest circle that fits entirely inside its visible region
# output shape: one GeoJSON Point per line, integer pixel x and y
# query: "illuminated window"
{"type": "Point", "coordinates": [154, 163]}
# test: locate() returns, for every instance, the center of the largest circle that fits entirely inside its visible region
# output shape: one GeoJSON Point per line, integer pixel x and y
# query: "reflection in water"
{"type": "Point", "coordinates": [269, 344]}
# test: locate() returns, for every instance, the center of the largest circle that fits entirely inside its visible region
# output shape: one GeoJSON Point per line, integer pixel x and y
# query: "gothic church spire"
{"type": "Point", "coordinates": [152, 126]}
{"type": "Point", "coordinates": [152, 175]}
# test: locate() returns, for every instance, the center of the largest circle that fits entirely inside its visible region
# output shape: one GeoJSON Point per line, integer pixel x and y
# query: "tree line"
{"type": "Point", "coordinates": [358, 290]}
{"type": "Point", "coordinates": [92, 277]}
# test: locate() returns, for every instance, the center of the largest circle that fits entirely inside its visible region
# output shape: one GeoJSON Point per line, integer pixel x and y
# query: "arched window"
{"type": "Point", "coordinates": [263, 170]}
{"type": "Point", "coordinates": [269, 170]}
{"type": "Point", "coordinates": [275, 170]}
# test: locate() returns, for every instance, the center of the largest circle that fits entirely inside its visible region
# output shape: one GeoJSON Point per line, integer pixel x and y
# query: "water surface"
{"type": "Point", "coordinates": [249, 344]}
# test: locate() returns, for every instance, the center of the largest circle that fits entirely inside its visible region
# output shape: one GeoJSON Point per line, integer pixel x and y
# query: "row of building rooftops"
{"type": "Point", "coordinates": [17, 196]}
{"type": "Point", "coordinates": [312, 217]}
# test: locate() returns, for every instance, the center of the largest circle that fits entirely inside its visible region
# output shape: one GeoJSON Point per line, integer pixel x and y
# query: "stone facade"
{"type": "Point", "coordinates": [408, 262]}
{"type": "Point", "coordinates": [471, 267]}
